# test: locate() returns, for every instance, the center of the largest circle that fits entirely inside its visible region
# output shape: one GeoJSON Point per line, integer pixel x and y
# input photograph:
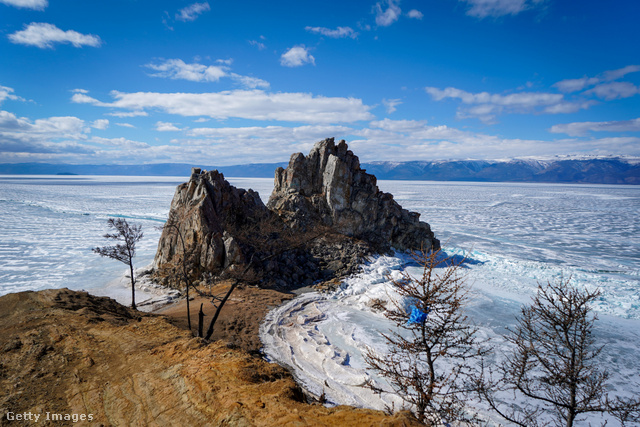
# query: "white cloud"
{"type": "Point", "coordinates": [177, 69]}
{"type": "Point", "coordinates": [611, 75]}
{"type": "Point", "coordinates": [486, 106]}
{"type": "Point", "coordinates": [583, 128]}
{"type": "Point", "coordinates": [340, 32]}
{"type": "Point", "coordinates": [287, 134]}
{"type": "Point", "coordinates": [27, 4]}
{"type": "Point", "coordinates": [65, 139]}
{"type": "Point", "coordinates": [412, 140]}
{"type": "Point", "coordinates": [116, 114]}
{"type": "Point", "coordinates": [21, 135]}
{"type": "Point", "coordinates": [296, 57]}
{"type": "Point", "coordinates": [495, 8]}
{"type": "Point", "coordinates": [44, 36]}
{"type": "Point", "coordinates": [386, 17]}
{"type": "Point", "coordinates": [568, 107]}
{"type": "Point", "coordinates": [399, 126]}
{"type": "Point", "coordinates": [191, 12]}
{"type": "Point", "coordinates": [246, 104]}
{"type": "Point", "coordinates": [575, 85]}
{"type": "Point", "coordinates": [121, 143]}
{"type": "Point", "coordinates": [126, 125]}
{"type": "Point", "coordinates": [391, 104]}
{"type": "Point", "coordinates": [614, 90]}
{"type": "Point", "coordinates": [7, 93]}
{"type": "Point", "coordinates": [259, 45]}
{"type": "Point", "coordinates": [167, 127]}
{"type": "Point", "coordinates": [82, 98]}
{"type": "Point", "coordinates": [100, 124]}
{"type": "Point", "coordinates": [250, 82]}
{"type": "Point", "coordinates": [415, 14]}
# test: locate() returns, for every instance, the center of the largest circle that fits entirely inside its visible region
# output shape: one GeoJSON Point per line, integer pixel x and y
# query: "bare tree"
{"type": "Point", "coordinates": [554, 365]}
{"type": "Point", "coordinates": [428, 365]}
{"type": "Point", "coordinates": [186, 260]}
{"type": "Point", "coordinates": [124, 252]}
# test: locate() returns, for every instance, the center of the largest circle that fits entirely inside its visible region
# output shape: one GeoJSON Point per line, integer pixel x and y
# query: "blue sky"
{"type": "Point", "coordinates": [220, 83]}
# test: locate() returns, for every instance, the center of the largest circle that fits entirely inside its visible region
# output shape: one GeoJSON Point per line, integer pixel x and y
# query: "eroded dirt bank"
{"type": "Point", "coordinates": [69, 353]}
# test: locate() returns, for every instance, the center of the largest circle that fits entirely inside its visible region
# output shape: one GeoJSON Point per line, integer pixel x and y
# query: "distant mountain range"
{"type": "Point", "coordinates": [594, 170]}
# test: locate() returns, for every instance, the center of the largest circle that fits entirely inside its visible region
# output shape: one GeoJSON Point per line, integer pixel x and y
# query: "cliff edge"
{"type": "Point", "coordinates": [82, 360]}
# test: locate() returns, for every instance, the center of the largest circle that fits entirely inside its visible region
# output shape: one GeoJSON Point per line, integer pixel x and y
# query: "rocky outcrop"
{"type": "Point", "coordinates": [209, 219]}
{"type": "Point", "coordinates": [329, 188]}
{"type": "Point", "coordinates": [89, 361]}
{"type": "Point", "coordinates": [324, 215]}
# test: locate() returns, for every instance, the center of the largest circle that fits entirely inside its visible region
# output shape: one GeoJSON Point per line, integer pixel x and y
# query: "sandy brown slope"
{"type": "Point", "coordinates": [239, 320]}
{"type": "Point", "coordinates": [66, 352]}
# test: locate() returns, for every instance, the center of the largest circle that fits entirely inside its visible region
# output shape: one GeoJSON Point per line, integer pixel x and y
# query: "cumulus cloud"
{"type": "Point", "coordinates": [27, 4]}
{"type": "Point", "coordinates": [415, 14]}
{"type": "Point", "coordinates": [386, 17]}
{"type": "Point", "coordinates": [191, 12]}
{"type": "Point", "coordinates": [44, 36]}
{"type": "Point", "coordinates": [50, 135]}
{"type": "Point", "coordinates": [100, 124]}
{"type": "Point", "coordinates": [177, 69]}
{"type": "Point", "coordinates": [167, 127]}
{"type": "Point", "coordinates": [247, 104]}
{"type": "Point", "coordinates": [496, 8]}
{"type": "Point", "coordinates": [296, 57]}
{"type": "Point", "coordinates": [583, 128]}
{"type": "Point", "coordinates": [575, 85]}
{"type": "Point", "coordinates": [338, 33]}
{"type": "Point", "coordinates": [126, 125]}
{"type": "Point", "coordinates": [391, 104]}
{"type": "Point", "coordinates": [486, 106]}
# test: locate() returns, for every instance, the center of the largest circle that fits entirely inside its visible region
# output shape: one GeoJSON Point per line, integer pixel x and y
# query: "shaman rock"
{"type": "Point", "coordinates": [328, 188]}
{"type": "Point", "coordinates": [209, 219]}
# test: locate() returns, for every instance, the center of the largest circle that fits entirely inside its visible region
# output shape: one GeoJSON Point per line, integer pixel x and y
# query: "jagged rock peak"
{"type": "Point", "coordinates": [329, 188]}
{"type": "Point", "coordinates": [207, 216]}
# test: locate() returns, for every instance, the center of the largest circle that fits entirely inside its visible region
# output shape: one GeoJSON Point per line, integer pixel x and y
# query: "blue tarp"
{"type": "Point", "coordinates": [418, 316]}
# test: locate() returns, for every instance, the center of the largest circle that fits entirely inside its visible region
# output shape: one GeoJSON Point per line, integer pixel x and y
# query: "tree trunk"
{"type": "Point", "coordinates": [200, 321]}
{"type": "Point", "coordinates": [133, 287]}
{"type": "Point", "coordinates": [215, 316]}
{"type": "Point", "coordinates": [188, 310]}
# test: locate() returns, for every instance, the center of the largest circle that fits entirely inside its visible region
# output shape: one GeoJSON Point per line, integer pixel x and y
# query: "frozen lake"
{"type": "Point", "coordinates": [516, 235]}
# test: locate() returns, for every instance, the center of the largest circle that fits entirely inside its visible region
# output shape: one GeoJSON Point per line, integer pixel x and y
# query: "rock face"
{"type": "Point", "coordinates": [328, 187]}
{"type": "Point", "coordinates": [324, 215]}
{"type": "Point", "coordinates": [206, 217]}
